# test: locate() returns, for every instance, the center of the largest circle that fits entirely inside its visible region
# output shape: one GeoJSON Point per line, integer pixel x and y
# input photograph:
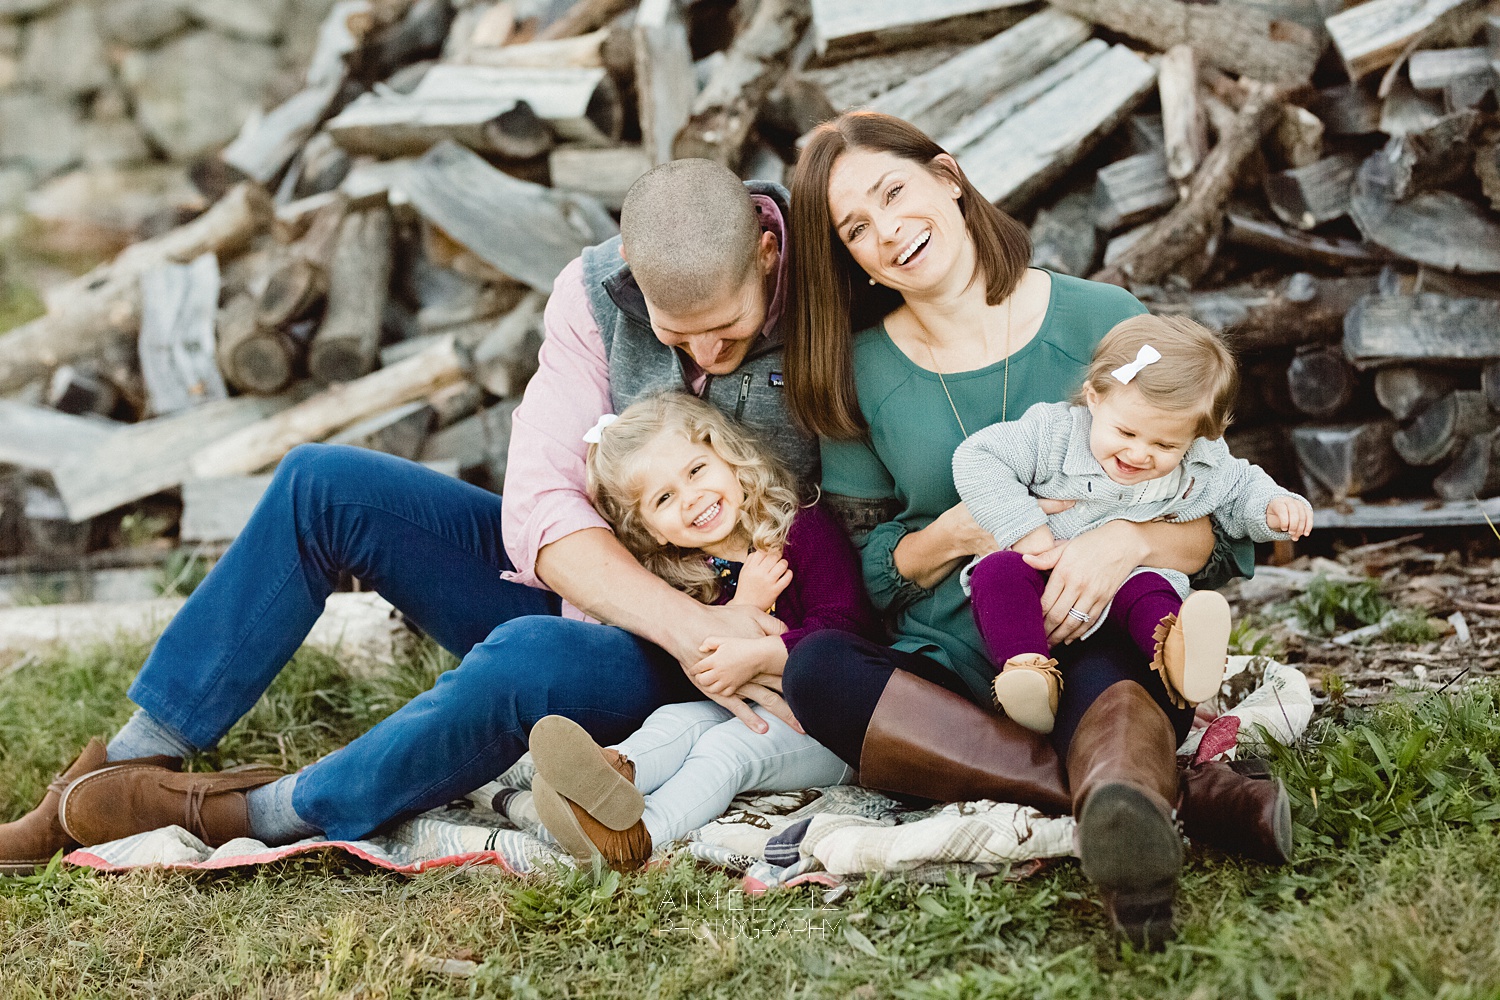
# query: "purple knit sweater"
{"type": "Point", "coordinates": [827, 590]}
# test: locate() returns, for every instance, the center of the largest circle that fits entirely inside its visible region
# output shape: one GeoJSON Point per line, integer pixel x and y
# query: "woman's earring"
{"type": "Point", "coordinates": [958, 190]}
{"type": "Point", "coordinates": [872, 282]}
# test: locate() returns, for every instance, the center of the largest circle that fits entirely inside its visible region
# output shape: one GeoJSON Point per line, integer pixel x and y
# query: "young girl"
{"type": "Point", "coordinates": [701, 505]}
{"type": "Point", "coordinates": [1145, 444]}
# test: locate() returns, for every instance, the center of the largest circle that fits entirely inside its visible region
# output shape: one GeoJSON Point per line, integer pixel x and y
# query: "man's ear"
{"type": "Point", "coordinates": [769, 253]}
{"type": "Point", "coordinates": [623, 256]}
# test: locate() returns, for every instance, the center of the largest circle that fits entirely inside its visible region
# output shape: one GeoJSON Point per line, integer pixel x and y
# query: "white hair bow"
{"type": "Point", "coordinates": [1147, 355]}
{"type": "Point", "coordinates": [594, 433]}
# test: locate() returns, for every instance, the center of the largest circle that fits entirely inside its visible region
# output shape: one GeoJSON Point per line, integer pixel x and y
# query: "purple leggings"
{"type": "Point", "coordinates": [1007, 598]}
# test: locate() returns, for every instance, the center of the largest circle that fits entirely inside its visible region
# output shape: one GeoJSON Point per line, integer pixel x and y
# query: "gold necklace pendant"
{"type": "Point", "coordinates": [1005, 378]}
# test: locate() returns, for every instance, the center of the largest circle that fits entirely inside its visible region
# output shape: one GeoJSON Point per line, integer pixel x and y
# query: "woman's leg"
{"type": "Point", "coordinates": [428, 543]}
{"type": "Point", "coordinates": [1007, 598]}
{"type": "Point", "coordinates": [907, 725]}
{"type": "Point", "coordinates": [729, 759]}
{"type": "Point", "coordinates": [665, 739]}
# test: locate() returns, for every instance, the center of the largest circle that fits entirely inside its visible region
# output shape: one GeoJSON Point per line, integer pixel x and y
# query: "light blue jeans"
{"type": "Point", "coordinates": [692, 759]}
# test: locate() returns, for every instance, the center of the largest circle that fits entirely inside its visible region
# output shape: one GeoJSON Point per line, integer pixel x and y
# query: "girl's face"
{"type": "Point", "coordinates": [1133, 440]}
{"type": "Point", "coordinates": [689, 496]}
{"type": "Point", "coordinates": [900, 222]}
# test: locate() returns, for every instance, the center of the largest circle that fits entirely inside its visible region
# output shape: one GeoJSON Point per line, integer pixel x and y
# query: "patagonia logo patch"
{"type": "Point", "coordinates": [776, 381]}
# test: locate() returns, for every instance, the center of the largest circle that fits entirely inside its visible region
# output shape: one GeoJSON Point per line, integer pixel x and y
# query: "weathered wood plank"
{"type": "Point", "coordinates": [267, 143]}
{"type": "Point", "coordinates": [1030, 149]}
{"type": "Point", "coordinates": [807, 97]}
{"type": "Point", "coordinates": [1307, 197]}
{"type": "Point", "coordinates": [1431, 70]}
{"type": "Point", "coordinates": [664, 81]}
{"type": "Point", "coordinates": [176, 344]}
{"type": "Point", "coordinates": [34, 437]}
{"type": "Point", "coordinates": [1131, 191]}
{"type": "Point", "coordinates": [605, 174]}
{"type": "Point", "coordinates": [844, 29]}
{"type": "Point", "coordinates": [980, 123]}
{"type": "Point", "coordinates": [1384, 328]}
{"type": "Point", "coordinates": [1373, 35]}
{"type": "Point", "coordinates": [1407, 514]}
{"type": "Point", "coordinates": [526, 231]}
{"type": "Point", "coordinates": [1475, 472]}
{"type": "Point", "coordinates": [1433, 227]}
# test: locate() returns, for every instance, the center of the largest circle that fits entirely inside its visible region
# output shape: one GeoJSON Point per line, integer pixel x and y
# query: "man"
{"type": "Point", "coordinates": [689, 297]}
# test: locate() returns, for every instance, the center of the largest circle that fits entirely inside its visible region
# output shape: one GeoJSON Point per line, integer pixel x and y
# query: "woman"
{"type": "Point", "coordinates": [956, 332]}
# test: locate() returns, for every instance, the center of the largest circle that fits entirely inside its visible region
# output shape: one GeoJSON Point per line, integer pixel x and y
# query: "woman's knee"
{"type": "Point", "coordinates": [816, 668]}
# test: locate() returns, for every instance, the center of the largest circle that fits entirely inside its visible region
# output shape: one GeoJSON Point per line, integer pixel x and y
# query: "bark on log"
{"type": "Point", "coordinates": [1439, 431]}
{"type": "Point", "coordinates": [104, 304]}
{"type": "Point", "coordinates": [1268, 446]}
{"type": "Point", "coordinates": [1321, 382]}
{"type": "Point", "coordinates": [1385, 328]}
{"type": "Point", "coordinates": [506, 358]}
{"type": "Point", "coordinates": [1131, 191]}
{"type": "Point", "coordinates": [1186, 230]}
{"type": "Point", "coordinates": [252, 448]}
{"type": "Point", "coordinates": [1347, 109]}
{"type": "Point", "coordinates": [1347, 460]}
{"type": "Point", "coordinates": [1307, 197]}
{"type": "Point", "coordinates": [937, 100]}
{"type": "Point", "coordinates": [299, 280]}
{"type": "Point", "coordinates": [664, 81]}
{"type": "Point", "coordinates": [845, 29]}
{"type": "Point", "coordinates": [176, 345]}
{"type": "Point", "coordinates": [1405, 390]}
{"type": "Point", "coordinates": [75, 390]}
{"type": "Point", "coordinates": [346, 345]}
{"type": "Point", "coordinates": [1237, 40]}
{"type": "Point", "coordinates": [583, 17]}
{"type": "Point", "coordinates": [1063, 237]}
{"type": "Point", "coordinates": [258, 359]}
{"type": "Point", "coordinates": [1183, 119]}
{"type": "Point", "coordinates": [1298, 137]}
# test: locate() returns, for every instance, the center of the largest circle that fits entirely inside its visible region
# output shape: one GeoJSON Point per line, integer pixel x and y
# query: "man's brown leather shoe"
{"type": "Point", "coordinates": [32, 841]}
{"type": "Point", "coordinates": [121, 801]}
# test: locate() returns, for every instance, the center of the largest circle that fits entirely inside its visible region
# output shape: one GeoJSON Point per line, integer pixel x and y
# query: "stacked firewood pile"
{"type": "Point", "coordinates": [377, 248]}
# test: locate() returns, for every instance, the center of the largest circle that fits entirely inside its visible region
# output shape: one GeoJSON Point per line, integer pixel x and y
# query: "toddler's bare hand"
{"type": "Point", "coordinates": [763, 577]}
{"type": "Point", "coordinates": [1290, 516]}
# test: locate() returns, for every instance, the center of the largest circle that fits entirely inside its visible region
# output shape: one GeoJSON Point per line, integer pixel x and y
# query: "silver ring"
{"type": "Point", "coordinates": [1077, 615]}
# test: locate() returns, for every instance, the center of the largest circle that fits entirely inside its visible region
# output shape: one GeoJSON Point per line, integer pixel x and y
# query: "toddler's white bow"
{"type": "Point", "coordinates": [594, 433]}
{"type": "Point", "coordinates": [1147, 355]}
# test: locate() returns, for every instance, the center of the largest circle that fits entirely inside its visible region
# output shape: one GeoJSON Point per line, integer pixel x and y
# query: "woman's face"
{"type": "Point", "coordinates": [900, 221]}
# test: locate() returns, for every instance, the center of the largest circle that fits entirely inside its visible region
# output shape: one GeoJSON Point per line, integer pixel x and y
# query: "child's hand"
{"type": "Point", "coordinates": [1290, 516]}
{"type": "Point", "coordinates": [762, 579]}
{"type": "Point", "coordinates": [731, 663]}
{"type": "Point", "coordinates": [1035, 543]}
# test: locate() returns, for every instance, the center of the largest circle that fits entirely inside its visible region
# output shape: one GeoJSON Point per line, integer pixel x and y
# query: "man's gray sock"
{"type": "Point", "coordinates": [273, 821]}
{"type": "Point", "coordinates": [143, 736]}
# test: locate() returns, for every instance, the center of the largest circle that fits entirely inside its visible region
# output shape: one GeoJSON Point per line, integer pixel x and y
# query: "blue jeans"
{"type": "Point", "coordinates": [430, 545]}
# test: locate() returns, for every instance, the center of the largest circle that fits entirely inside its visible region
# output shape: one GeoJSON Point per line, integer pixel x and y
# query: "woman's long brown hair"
{"type": "Point", "coordinates": [830, 296]}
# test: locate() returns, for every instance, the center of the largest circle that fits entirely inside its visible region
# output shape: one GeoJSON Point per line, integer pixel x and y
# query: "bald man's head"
{"type": "Point", "coordinates": [695, 246]}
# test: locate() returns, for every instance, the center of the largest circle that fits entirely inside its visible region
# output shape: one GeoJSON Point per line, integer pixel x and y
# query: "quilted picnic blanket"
{"type": "Point", "coordinates": [823, 835]}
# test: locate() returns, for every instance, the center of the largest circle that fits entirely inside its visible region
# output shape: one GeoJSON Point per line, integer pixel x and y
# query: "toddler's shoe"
{"type": "Point", "coordinates": [1192, 648]}
{"type": "Point", "coordinates": [585, 795]}
{"type": "Point", "coordinates": [1027, 689]}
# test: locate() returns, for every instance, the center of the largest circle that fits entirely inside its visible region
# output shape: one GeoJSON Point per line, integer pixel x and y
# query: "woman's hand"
{"type": "Point", "coordinates": [1086, 572]}
{"type": "Point", "coordinates": [926, 556]}
{"type": "Point", "coordinates": [762, 579]}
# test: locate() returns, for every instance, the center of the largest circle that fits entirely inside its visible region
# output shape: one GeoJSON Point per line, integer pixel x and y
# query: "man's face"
{"type": "Point", "coordinates": [719, 334]}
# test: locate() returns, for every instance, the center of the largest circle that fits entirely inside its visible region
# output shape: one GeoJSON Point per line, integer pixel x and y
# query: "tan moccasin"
{"type": "Point", "coordinates": [1192, 648]}
{"type": "Point", "coordinates": [1027, 689]}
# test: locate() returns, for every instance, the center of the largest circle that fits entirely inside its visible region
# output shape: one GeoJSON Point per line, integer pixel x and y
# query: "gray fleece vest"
{"type": "Point", "coordinates": [642, 366]}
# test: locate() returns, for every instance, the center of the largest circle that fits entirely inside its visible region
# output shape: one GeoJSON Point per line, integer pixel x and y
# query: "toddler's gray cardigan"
{"type": "Point", "coordinates": [1001, 470]}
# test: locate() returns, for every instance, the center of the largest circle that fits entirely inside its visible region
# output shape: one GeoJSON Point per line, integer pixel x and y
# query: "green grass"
{"type": "Point", "coordinates": [1392, 893]}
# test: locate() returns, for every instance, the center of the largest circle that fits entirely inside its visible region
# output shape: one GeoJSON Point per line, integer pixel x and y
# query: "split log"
{"type": "Point", "coordinates": [1458, 286]}
{"type": "Point", "coordinates": [1347, 460]}
{"type": "Point", "coordinates": [362, 631]}
{"type": "Point", "coordinates": [1146, 134]}
{"type": "Point", "coordinates": [582, 52]}
{"type": "Point", "coordinates": [583, 17]}
{"type": "Point", "coordinates": [1468, 93]}
{"type": "Point", "coordinates": [1324, 251]}
{"type": "Point", "coordinates": [1405, 390]}
{"type": "Point", "coordinates": [1405, 110]}
{"type": "Point", "coordinates": [1432, 70]}
{"type": "Point", "coordinates": [1347, 109]}
{"type": "Point", "coordinates": [1475, 472]}
{"type": "Point", "coordinates": [177, 335]}
{"type": "Point", "coordinates": [726, 109]}
{"type": "Point", "coordinates": [524, 230]}
{"type": "Point", "coordinates": [807, 97]}
{"type": "Point", "coordinates": [1118, 246]}
{"type": "Point", "coordinates": [664, 80]}
{"type": "Point", "coordinates": [359, 277]}
{"type": "Point", "coordinates": [1433, 227]}
{"type": "Point", "coordinates": [1432, 157]}
{"type": "Point", "coordinates": [418, 34]}
{"type": "Point", "coordinates": [507, 357]}
{"type": "Point", "coordinates": [400, 431]}
{"type": "Point", "coordinates": [937, 100]}
{"type": "Point", "coordinates": [761, 162]}
{"type": "Point", "coordinates": [1373, 35]}
{"type": "Point", "coordinates": [146, 458]}
{"type": "Point", "coordinates": [479, 444]}
{"type": "Point", "coordinates": [1487, 168]}
{"type": "Point", "coordinates": [844, 29]}
{"type": "Point", "coordinates": [1384, 328]}
{"type": "Point", "coordinates": [1300, 310]}
{"type": "Point", "coordinates": [293, 219]}
{"type": "Point", "coordinates": [74, 390]}
{"type": "Point", "coordinates": [1489, 382]}
{"type": "Point", "coordinates": [452, 403]}
{"type": "Point", "coordinates": [322, 166]}
{"type": "Point", "coordinates": [336, 42]}
{"type": "Point", "coordinates": [1063, 237]}
{"type": "Point", "coordinates": [104, 304]}
{"type": "Point", "coordinates": [1321, 382]}
{"type": "Point", "coordinates": [1307, 197]}
{"type": "Point", "coordinates": [1005, 104]}
{"type": "Point", "coordinates": [1187, 229]}
{"type": "Point", "coordinates": [34, 437]}
{"type": "Point", "coordinates": [1440, 430]}
{"type": "Point", "coordinates": [1184, 121]}
{"type": "Point", "coordinates": [1235, 39]}
{"type": "Point", "coordinates": [1298, 137]}
{"type": "Point", "coordinates": [1033, 147]}
{"type": "Point", "coordinates": [267, 143]}
{"type": "Point", "coordinates": [252, 448]}
{"type": "Point", "coordinates": [1131, 191]}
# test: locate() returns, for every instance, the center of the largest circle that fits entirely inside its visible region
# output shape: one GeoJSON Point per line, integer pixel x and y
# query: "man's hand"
{"type": "Point", "coordinates": [684, 636]}
{"type": "Point", "coordinates": [1086, 572]}
{"type": "Point", "coordinates": [732, 663]}
{"type": "Point", "coordinates": [1035, 542]}
{"type": "Point", "coordinates": [1286, 514]}
{"type": "Point", "coordinates": [762, 579]}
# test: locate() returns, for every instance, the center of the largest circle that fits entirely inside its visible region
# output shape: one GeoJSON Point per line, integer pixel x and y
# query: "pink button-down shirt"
{"type": "Point", "coordinates": [544, 473]}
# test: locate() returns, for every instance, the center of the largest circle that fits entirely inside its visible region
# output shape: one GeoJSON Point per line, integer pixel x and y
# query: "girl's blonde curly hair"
{"type": "Point", "coordinates": [765, 515]}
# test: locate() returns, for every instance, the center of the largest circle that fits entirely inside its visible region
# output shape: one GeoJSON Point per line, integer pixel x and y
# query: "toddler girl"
{"type": "Point", "coordinates": [703, 506]}
{"type": "Point", "coordinates": [1144, 445]}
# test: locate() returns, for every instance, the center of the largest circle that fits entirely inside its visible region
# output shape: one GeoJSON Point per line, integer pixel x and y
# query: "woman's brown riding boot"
{"type": "Point", "coordinates": [927, 741]}
{"type": "Point", "coordinates": [1239, 808]}
{"type": "Point", "coordinates": [1122, 767]}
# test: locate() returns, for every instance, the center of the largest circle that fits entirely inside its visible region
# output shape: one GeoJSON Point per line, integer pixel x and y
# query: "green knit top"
{"type": "Point", "coordinates": [908, 458]}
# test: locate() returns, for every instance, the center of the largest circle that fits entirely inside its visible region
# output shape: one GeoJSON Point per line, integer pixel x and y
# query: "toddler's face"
{"type": "Point", "coordinates": [1135, 441]}
{"type": "Point", "coordinates": [690, 497]}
